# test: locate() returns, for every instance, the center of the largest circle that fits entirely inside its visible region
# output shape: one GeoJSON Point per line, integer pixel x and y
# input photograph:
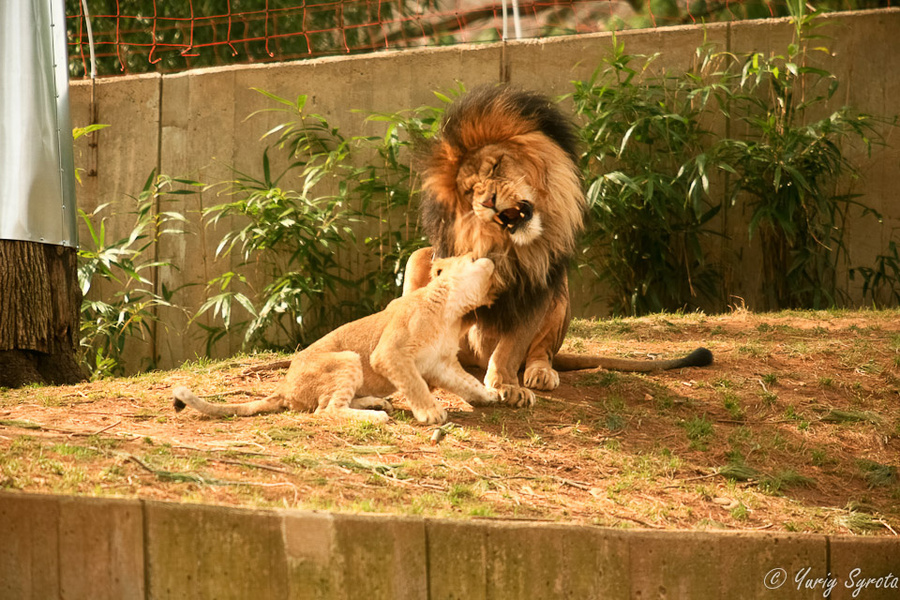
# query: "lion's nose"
{"type": "Point", "coordinates": [490, 202]}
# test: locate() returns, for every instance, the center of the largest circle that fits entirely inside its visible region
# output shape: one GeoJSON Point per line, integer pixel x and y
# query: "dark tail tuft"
{"type": "Point", "coordinates": [178, 393]}
{"type": "Point", "coordinates": [698, 358]}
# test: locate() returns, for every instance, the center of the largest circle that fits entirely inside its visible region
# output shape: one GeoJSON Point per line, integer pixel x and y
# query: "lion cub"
{"type": "Point", "coordinates": [409, 347]}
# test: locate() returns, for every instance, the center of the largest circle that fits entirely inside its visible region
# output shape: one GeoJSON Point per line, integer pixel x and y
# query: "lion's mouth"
{"type": "Point", "coordinates": [514, 217]}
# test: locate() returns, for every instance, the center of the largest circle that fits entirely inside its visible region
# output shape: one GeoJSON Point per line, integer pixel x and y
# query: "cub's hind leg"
{"type": "Point", "coordinates": [338, 377]}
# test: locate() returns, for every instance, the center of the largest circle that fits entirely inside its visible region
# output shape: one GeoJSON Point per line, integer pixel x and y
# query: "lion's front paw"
{"type": "Point", "coordinates": [516, 396]}
{"type": "Point", "coordinates": [433, 415]}
{"type": "Point", "coordinates": [541, 378]}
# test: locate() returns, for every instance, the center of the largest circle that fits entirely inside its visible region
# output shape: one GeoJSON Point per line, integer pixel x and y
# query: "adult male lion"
{"type": "Point", "coordinates": [501, 181]}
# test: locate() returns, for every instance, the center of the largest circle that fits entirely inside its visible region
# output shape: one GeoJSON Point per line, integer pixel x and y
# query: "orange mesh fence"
{"type": "Point", "coordinates": [137, 36]}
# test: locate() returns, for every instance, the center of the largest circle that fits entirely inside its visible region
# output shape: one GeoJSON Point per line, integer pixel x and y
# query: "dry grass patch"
{"type": "Point", "coordinates": [795, 427]}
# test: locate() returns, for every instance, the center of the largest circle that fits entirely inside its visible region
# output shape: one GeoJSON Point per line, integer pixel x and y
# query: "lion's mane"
{"type": "Point", "coordinates": [527, 127]}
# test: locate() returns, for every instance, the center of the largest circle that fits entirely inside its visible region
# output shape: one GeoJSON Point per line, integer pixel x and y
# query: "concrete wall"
{"type": "Point", "coordinates": [195, 125]}
{"type": "Point", "coordinates": [99, 549]}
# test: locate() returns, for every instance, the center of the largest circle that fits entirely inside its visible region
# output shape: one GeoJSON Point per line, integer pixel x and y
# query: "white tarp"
{"type": "Point", "coordinates": [37, 176]}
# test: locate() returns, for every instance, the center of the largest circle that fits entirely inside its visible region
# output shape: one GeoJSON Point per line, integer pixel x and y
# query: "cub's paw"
{"type": "Point", "coordinates": [372, 403]}
{"type": "Point", "coordinates": [516, 396]}
{"type": "Point", "coordinates": [541, 378]}
{"type": "Point", "coordinates": [486, 397]}
{"type": "Point", "coordinates": [433, 415]}
{"type": "Point", "coordinates": [375, 416]}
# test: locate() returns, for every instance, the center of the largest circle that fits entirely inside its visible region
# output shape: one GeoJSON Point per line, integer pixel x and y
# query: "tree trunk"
{"type": "Point", "coordinates": [39, 314]}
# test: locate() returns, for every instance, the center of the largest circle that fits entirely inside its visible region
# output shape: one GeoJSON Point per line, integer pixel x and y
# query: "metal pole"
{"type": "Point", "coordinates": [37, 198]}
{"type": "Point", "coordinates": [517, 23]}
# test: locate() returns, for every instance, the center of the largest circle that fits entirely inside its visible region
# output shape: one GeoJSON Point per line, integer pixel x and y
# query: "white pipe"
{"type": "Point", "coordinates": [90, 32]}
{"type": "Point", "coordinates": [517, 23]}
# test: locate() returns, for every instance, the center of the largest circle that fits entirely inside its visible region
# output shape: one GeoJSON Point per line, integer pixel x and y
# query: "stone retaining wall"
{"type": "Point", "coordinates": [112, 549]}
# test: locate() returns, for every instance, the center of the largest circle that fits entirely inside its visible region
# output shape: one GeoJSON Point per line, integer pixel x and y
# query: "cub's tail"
{"type": "Point", "coordinates": [700, 357]}
{"type": "Point", "coordinates": [184, 397]}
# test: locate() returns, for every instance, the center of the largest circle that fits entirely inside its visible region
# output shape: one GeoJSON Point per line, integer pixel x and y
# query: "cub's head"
{"type": "Point", "coordinates": [501, 180]}
{"type": "Point", "coordinates": [468, 279]}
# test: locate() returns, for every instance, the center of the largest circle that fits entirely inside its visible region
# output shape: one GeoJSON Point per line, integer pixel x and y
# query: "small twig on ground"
{"type": "Point", "coordinates": [441, 432]}
{"type": "Point", "coordinates": [192, 478]}
{"type": "Point", "coordinates": [698, 478]}
{"type": "Point", "coordinates": [886, 524]}
{"type": "Point", "coordinates": [138, 461]}
{"type": "Point", "coordinates": [638, 521]}
{"type": "Point", "coordinates": [428, 486]}
{"type": "Point", "coordinates": [575, 484]}
{"type": "Point", "coordinates": [107, 428]}
{"type": "Point", "coordinates": [20, 424]}
{"type": "Point", "coordinates": [39, 427]}
{"type": "Point", "coordinates": [272, 366]}
{"type": "Point", "coordinates": [249, 465]}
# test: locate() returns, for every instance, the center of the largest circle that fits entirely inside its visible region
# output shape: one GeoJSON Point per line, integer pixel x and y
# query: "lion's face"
{"type": "Point", "coordinates": [470, 280]}
{"type": "Point", "coordinates": [501, 181]}
{"type": "Point", "coordinates": [498, 188]}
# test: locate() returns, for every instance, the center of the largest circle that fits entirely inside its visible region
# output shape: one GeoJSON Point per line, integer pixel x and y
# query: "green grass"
{"type": "Point", "coordinates": [877, 474]}
{"type": "Point", "coordinates": [699, 430]}
{"type": "Point", "coordinates": [783, 480]}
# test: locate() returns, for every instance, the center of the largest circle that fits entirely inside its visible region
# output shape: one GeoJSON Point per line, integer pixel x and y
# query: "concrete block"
{"type": "Point", "coordinates": [383, 557]}
{"type": "Point", "coordinates": [535, 560]}
{"type": "Point", "coordinates": [672, 565]}
{"type": "Point", "coordinates": [315, 569]}
{"type": "Point", "coordinates": [199, 134]}
{"type": "Point", "coordinates": [126, 153]}
{"type": "Point", "coordinates": [68, 547]}
{"type": "Point", "coordinates": [101, 549]}
{"type": "Point", "coordinates": [865, 568]}
{"type": "Point", "coordinates": [767, 565]}
{"type": "Point", "coordinates": [29, 546]}
{"type": "Point", "coordinates": [355, 556]}
{"type": "Point", "coordinates": [475, 560]}
{"type": "Point", "coordinates": [551, 64]}
{"type": "Point", "coordinates": [457, 560]}
{"type": "Point", "coordinates": [205, 552]}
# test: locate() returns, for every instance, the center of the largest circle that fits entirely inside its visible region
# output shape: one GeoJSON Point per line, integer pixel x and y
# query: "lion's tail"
{"type": "Point", "coordinates": [184, 397]}
{"type": "Point", "coordinates": [574, 362]}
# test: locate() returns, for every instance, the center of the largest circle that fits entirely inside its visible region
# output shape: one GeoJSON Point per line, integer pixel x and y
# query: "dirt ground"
{"type": "Point", "coordinates": [795, 427]}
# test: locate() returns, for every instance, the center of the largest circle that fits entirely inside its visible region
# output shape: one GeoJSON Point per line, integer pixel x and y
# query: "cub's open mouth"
{"type": "Point", "coordinates": [513, 217]}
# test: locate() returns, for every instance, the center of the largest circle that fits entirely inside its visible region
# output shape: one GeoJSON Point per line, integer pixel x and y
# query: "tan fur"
{"type": "Point", "coordinates": [493, 158]}
{"type": "Point", "coordinates": [531, 167]}
{"type": "Point", "coordinates": [495, 154]}
{"type": "Point", "coordinates": [410, 346]}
